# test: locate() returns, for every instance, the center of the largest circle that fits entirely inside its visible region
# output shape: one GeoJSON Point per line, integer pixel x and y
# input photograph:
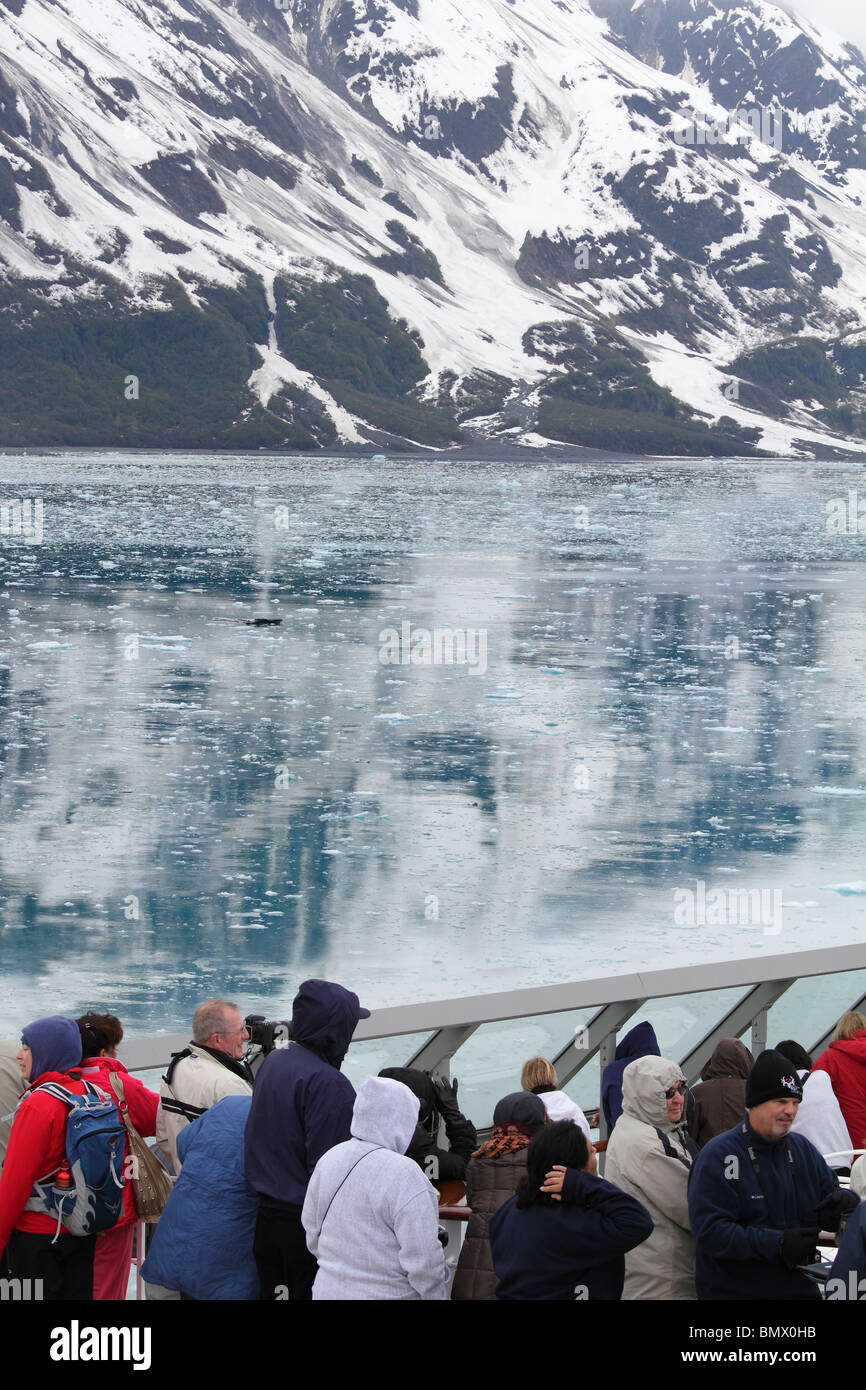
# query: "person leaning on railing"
{"type": "Point", "coordinates": [438, 1099]}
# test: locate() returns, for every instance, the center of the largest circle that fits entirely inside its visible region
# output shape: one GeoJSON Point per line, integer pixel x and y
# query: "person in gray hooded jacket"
{"type": "Point", "coordinates": [370, 1214]}
{"type": "Point", "coordinates": [650, 1156]}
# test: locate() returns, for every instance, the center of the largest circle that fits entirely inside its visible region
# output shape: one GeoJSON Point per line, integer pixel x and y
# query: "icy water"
{"type": "Point", "coordinates": [665, 688]}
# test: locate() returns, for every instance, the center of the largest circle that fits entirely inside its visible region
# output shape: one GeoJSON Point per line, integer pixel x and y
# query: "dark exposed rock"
{"type": "Point", "coordinates": [166, 243]}
{"type": "Point", "coordinates": [412, 259]}
{"type": "Point", "coordinates": [182, 184]}
{"type": "Point", "coordinates": [239, 154]}
{"type": "Point", "coordinates": [366, 171]}
{"type": "Point", "coordinates": [397, 202]}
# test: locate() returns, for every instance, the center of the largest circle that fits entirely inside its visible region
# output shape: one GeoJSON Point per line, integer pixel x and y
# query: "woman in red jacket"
{"type": "Point", "coordinates": [100, 1035]}
{"type": "Point", "coordinates": [845, 1061]}
{"type": "Point", "coordinates": [50, 1051]}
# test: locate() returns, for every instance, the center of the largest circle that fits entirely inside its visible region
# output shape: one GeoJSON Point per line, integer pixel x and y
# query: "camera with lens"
{"type": "Point", "coordinates": [267, 1034]}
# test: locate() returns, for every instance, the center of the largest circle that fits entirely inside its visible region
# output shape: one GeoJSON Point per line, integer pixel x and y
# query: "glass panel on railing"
{"type": "Point", "coordinates": [489, 1063]}
{"type": "Point", "coordinates": [369, 1057]}
{"type": "Point", "coordinates": [812, 1006]}
{"type": "Point", "coordinates": [679, 1022]}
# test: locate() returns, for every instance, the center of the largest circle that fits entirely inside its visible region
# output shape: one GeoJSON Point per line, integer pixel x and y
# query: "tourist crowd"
{"type": "Point", "coordinates": [285, 1184]}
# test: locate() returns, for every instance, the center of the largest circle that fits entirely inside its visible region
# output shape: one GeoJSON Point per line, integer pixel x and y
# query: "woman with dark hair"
{"type": "Point", "coordinates": [493, 1175]}
{"type": "Point", "coordinates": [100, 1036]}
{"type": "Point", "coordinates": [564, 1235]}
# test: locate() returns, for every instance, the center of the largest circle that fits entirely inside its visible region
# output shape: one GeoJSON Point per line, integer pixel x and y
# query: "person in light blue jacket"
{"type": "Point", "coordinates": [203, 1244]}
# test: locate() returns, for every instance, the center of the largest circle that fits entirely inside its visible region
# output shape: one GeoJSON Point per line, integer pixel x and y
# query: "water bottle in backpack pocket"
{"type": "Point", "coordinates": [86, 1192]}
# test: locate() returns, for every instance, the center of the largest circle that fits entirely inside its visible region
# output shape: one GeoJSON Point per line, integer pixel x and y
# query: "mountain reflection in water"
{"type": "Point", "coordinates": [194, 805]}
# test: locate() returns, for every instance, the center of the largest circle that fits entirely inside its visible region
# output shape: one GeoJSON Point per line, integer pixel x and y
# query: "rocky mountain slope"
{"type": "Point", "coordinates": [315, 224]}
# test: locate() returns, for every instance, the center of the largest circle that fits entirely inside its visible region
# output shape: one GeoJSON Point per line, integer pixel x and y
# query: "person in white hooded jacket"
{"type": "Point", "coordinates": [370, 1214]}
{"type": "Point", "coordinates": [649, 1155]}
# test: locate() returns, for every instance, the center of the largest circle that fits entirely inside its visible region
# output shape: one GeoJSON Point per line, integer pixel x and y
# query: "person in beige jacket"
{"type": "Point", "coordinates": [650, 1156]}
{"type": "Point", "coordinates": [203, 1073]}
{"type": "Point", "coordinates": [12, 1083]}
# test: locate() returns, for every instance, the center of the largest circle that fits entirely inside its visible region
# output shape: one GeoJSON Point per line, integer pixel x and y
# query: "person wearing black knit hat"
{"type": "Point", "coordinates": [759, 1195]}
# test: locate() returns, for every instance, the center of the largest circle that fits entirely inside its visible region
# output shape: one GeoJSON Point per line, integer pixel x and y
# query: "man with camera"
{"type": "Point", "coordinates": [438, 1101]}
{"type": "Point", "coordinates": [203, 1073]}
{"type": "Point", "coordinates": [759, 1195]}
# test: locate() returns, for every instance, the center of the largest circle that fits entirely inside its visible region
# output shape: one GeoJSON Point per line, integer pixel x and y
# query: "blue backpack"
{"type": "Point", "coordinates": [95, 1145]}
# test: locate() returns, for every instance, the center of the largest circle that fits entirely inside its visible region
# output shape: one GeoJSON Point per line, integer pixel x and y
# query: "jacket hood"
{"type": "Point", "coordinates": [639, 1041]}
{"type": "Point", "coordinates": [227, 1122]}
{"type": "Point", "coordinates": [55, 1043]}
{"type": "Point", "coordinates": [853, 1047]}
{"type": "Point", "coordinates": [324, 1017]}
{"type": "Point", "coordinates": [644, 1083]}
{"type": "Point", "coordinates": [385, 1114]}
{"type": "Point", "coordinates": [419, 1084]}
{"type": "Point", "coordinates": [730, 1058]}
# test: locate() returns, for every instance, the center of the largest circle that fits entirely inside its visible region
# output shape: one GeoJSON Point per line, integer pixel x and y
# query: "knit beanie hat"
{"type": "Point", "coordinates": [55, 1043]}
{"type": "Point", "coordinates": [773, 1077]}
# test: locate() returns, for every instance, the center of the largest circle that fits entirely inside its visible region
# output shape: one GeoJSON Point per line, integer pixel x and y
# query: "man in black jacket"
{"type": "Point", "coordinates": [437, 1098]}
{"type": "Point", "coordinates": [759, 1196]}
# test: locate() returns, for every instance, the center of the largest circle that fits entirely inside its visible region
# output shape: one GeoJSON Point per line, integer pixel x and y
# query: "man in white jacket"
{"type": "Point", "coordinates": [649, 1156]}
{"type": "Point", "coordinates": [370, 1214]}
{"type": "Point", "coordinates": [203, 1073]}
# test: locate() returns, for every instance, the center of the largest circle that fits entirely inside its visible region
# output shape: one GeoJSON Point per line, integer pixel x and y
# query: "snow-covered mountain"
{"type": "Point", "coordinates": [316, 223]}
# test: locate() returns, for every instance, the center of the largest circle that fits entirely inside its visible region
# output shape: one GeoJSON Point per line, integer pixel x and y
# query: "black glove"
{"type": "Point", "coordinates": [798, 1246]}
{"type": "Point", "coordinates": [446, 1095]}
{"type": "Point", "coordinates": [443, 1237]}
{"type": "Point", "coordinates": [836, 1206]}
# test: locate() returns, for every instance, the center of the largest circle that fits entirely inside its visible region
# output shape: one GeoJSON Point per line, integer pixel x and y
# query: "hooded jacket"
{"type": "Point", "coordinates": [302, 1103]}
{"type": "Point", "coordinates": [849, 1267]}
{"type": "Point", "coordinates": [143, 1106]}
{"type": "Point", "coordinates": [370, 1215]}
{"type": "Point", "coordinates": [193, 1083]}
{"type": "Point", "coordinates": [37, 1141]}
{"type": "Point", "coordinates": [203, 1243]}
{"type": "Point", "coordinates": [438, 1164]}
{"type": "Point", "coordinates": [739, 1216]}
{"type": "Point", "coordinates": [819, 1118]}
{"type": "Point", "coordinates": [559, 1106]}
{"type": "Point", "coordinates": [639, 1041]}
{"type": "Point", "coordinates": [720, 1095]}
{"type": "Point", "coordinates": [11, 1086]}
{"type": "Point", "coordinates": [647, 1155]}
{"type": "Point", "coordinates": [845, 1061]}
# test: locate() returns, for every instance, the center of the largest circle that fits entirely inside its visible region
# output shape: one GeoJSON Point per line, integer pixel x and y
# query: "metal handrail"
{"type": "Point", "coordinates": [446, 1024]}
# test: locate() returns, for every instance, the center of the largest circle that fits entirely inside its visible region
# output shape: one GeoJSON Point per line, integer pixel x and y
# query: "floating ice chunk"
{"type": "Point", "coordinates": [839, 791]}
{"type": "Point", "coordinates": [848, 890]}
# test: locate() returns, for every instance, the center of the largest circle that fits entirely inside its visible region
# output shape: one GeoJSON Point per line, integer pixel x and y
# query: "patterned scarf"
{"type": "Point", "coordinates": [506, 1139]}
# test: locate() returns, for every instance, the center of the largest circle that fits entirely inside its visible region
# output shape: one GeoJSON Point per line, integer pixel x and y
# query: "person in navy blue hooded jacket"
{"type": "Point", "coordinates": [565, 1234]}
{"type": "Point", "coordinates": [302, 1106]}
{"type": "Point", "coordinates": [759, 1195]}
{"type": "Point", "coordinates": [639, 1041]}
{"type": "Point", "coordinates": [847, 1278]}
